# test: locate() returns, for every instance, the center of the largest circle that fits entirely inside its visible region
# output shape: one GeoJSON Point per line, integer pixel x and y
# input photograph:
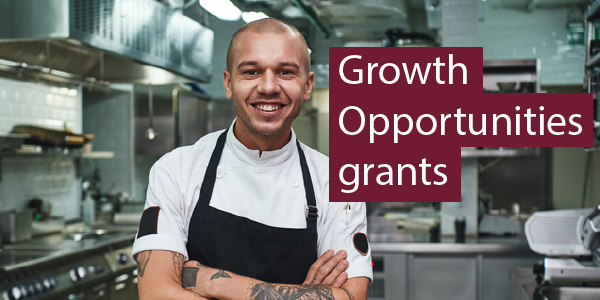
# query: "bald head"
{"type": "Point", "coordinates": [266, 26]}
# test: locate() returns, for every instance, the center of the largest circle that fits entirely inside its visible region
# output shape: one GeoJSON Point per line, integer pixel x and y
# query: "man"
{"type": "Point", "coordinates": [249, 206]}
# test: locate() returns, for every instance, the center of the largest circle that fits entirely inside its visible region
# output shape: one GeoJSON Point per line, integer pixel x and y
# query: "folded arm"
{"type": "Point", "coordinates": [159, 276]}
{"type": "Point", "coordinates": [219, 284]}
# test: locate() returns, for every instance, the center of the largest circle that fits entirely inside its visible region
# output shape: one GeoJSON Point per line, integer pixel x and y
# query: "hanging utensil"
{"type": "Point", "coordinates": [150, 133]}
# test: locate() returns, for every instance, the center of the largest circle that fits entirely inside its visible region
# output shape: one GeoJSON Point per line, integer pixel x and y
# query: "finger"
{"type": "Point", "coordinates": [312, 272]}
{"type": "Point", "coordinates": [190, 263]}
{"type": "Point", "coordinates": [340, 280]}
{"type": "Point", "coordinates": [329, 267]}
{"type": "Point", "coordinates": [333, 275]}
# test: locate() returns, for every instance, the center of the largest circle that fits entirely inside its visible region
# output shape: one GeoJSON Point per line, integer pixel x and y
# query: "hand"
{"type": "Point", "coordinates": [329, 269]}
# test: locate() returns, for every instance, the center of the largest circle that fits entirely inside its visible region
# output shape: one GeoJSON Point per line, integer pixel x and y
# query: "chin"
{"type": "Point", "coordinates": [268, 130]}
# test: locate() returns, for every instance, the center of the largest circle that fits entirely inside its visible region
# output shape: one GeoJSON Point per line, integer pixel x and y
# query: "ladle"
{"type": "Point", "coordinates": [150, 133]}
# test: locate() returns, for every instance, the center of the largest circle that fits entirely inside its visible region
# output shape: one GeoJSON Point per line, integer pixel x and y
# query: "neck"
{"type": "Point", "coordinates": [254, 141]}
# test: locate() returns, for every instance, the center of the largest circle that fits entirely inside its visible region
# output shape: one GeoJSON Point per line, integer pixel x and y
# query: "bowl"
{"type": "Point", "coordinates": [507, 87]}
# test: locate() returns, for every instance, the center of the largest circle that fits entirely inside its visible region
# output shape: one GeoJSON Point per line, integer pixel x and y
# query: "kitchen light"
{"type": "Point", "coordinates": [251, 16]}
{"type": "Point", "coordinates": [222, 9]}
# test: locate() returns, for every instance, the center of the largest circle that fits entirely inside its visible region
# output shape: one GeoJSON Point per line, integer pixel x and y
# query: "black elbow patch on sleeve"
{"type": "Point", "coordinates": [360, 243]}
{"type": "Point", "coordinates": [149, 221]}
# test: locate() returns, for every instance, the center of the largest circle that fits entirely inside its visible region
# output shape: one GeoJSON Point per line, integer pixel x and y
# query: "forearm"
{"type": "Point", "coordinates": [165, 291]}
{"type": "Point", "coordinates": [159, 276]}
{"type": "Point", "coordinates": [219, 284]}
{"type": "Point", "coordinates": [248, 288]}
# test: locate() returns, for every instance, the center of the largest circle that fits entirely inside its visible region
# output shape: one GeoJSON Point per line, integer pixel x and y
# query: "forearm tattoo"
{"type": "Point", "coordinates": [269, 291]}
{"type": "Point", "coordinates": [142, 261]}
{"type": "Point", "coordinates": [350, 297]}
{"type": "Point", "coordinates": [220, 274]}
{"type": "Point", "coordinates": [188, 277]}
{"type": "Point", "coordinates": [178, 261]}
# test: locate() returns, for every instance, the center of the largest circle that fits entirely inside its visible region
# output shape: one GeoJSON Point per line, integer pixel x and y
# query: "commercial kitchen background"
{"type": "Point", "coordinates": [548, 34]}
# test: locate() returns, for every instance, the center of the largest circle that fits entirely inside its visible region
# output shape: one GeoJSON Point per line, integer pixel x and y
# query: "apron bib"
{"type": "Point", "coordinates": [225, 241]}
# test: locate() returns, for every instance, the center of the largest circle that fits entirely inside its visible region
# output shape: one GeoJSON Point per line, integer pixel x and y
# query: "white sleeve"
{"type": "Point", "coordinates": [162, 225]}
{"type": "Point", "coordinates": [341, 230]}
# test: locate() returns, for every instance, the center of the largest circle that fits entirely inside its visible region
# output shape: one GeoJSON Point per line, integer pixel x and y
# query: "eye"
{"type": "Point", "coordinates": [251, 72]}
{"type": "Point", "coordinates": [286, 72]}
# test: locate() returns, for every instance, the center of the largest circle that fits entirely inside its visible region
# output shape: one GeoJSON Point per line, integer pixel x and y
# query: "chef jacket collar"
{"type": "Point", "coordinates": [252, 157]}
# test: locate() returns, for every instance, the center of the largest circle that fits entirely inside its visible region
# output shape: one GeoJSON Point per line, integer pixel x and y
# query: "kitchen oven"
{"type": "Point", "coordinates": [107, 272]}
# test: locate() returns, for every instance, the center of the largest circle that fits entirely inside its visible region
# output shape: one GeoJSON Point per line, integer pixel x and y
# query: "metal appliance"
{"type": "Point", "coordinates": [101, 41]}
{"type": "Point", "coordinates": [571, 241]}
{"type": "Point", "coordinates": [106, 272]}
{"type": "Point", "coordinates": [15, 226]}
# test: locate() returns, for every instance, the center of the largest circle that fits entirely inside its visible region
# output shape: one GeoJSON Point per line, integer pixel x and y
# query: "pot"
{"type": "Point", "coordinates": [15, 226]}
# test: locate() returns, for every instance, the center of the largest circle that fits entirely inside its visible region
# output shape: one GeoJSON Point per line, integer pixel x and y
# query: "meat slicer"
{"type": "Point", "coordinates": [570, 240]}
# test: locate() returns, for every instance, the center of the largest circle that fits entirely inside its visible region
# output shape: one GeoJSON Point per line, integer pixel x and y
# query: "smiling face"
{"type": "Point", "coordinates": [268, 80]}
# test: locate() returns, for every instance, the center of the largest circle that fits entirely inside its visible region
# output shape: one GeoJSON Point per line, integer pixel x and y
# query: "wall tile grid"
{"type": "Point", "coordinates": [542, 33]}
{"type": "Point", "coordinates": [49, 178]}
{"type": "Point", "coordinates": [109, 118]}
{"type": "Point", "coordinates": [459, 23]}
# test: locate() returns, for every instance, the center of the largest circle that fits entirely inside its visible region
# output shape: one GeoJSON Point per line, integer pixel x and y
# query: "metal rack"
{"type": "Point", "coordinates": [592, 63]}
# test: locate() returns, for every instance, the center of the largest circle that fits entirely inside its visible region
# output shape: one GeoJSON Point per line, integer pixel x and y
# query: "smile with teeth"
{"type": "Point", "coordinates": [268, 107]}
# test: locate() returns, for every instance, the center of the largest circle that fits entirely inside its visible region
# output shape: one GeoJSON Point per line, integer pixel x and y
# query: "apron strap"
{"type": "Point", "coordinates": [312, 211]}
{"type": "Point", "coordinates": [208, 184]}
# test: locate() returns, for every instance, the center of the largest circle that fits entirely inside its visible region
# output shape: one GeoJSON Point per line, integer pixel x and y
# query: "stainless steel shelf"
{"type": "Point", "coordinates": [76, 155]}
{"type": "Point", "coordinates": [40, 154]}
{"type": "Point", "coordinates": [499, 152]}
{"type": "Point", "coordinates": [508, 63]}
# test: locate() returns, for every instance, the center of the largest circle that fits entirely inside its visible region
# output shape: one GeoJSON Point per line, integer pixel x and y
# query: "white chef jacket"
{"type": "Point", "coordinates": [265, 188]}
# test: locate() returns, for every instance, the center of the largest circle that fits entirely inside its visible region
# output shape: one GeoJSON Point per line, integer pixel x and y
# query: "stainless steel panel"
{"type": "Point", "coordinates": [180, 118]}
{"type": "Point", "coordinates": [15, 226]}
{"type": "Point", "coordinates": [109, 40]}
{"type": "Point", "coordinates": [522, 180]}
{"type": "Point", "coordinates": [31, 19]}
{"type": "Point", "coordinates": [147, 31]}
{"type": "Point", "coordinates": [496, 275]}
{"type": "Point", "coordinates": [452, 277]}
{"type": "Point", "coordinates": [163, 119]}
{"type": "Point", "coordinates": [192, 118]}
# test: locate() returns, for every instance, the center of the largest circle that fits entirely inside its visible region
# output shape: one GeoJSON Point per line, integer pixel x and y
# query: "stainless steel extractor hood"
{"type": "Point", "coordinates": [113, 41]}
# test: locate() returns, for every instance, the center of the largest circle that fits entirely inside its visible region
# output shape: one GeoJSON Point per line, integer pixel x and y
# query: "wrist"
{"type": "Point", "coordinates": [212, 289]}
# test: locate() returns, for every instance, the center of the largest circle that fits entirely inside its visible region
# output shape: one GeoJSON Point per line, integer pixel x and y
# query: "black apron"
{"type": "Point", "coordinates": [225, 241]}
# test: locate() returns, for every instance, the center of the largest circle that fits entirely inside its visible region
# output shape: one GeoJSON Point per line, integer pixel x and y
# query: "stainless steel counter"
{"type": "Point", "coordinates": [450, 248]}
{"type": "Point", "coordinates": [480, 267]}
{"type": "Point", "coordinates": [414, 243]}
{"type": "Point", "coordinates": [56, 246]}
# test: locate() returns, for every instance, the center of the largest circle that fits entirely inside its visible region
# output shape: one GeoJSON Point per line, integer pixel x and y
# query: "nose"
{"type": "Point", "coordinates": [268, 84]}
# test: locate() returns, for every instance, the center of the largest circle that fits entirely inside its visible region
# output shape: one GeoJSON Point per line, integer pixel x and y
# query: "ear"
{"type": "Point", "coordinates": [227, 83]}
{"type": "Point", "coordinates": [310, 83]}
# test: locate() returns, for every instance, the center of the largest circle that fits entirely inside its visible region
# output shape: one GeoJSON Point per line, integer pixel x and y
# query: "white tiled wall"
{"type": "Point", "coordinates": [38, 104]}
{"type": "Point", "coordinates": [49, 178]}
{"type": "Point", "coordinates": [459, 23]}
{"type": "Point", "coordinates": [109, 116]}
{"type": "Point", "coordinates": [520, 34]}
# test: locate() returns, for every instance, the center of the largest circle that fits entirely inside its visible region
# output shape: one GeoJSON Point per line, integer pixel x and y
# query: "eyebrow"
{"type": "Point", "coordinates": [255, 63]}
